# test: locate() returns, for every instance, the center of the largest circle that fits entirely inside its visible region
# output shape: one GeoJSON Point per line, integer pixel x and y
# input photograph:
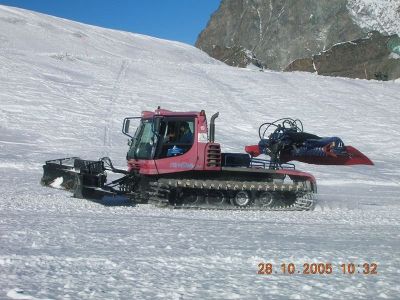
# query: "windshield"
{"type": "Point", "coordinates": [142, 142]}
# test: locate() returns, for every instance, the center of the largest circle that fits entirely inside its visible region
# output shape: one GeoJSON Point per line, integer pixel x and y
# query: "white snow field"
{"type": "Point", "coordinates": [65, 88]}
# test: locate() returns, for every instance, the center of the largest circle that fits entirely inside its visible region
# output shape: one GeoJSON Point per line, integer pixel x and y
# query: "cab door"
{"type": "Point", "coordinates": [176, 149]}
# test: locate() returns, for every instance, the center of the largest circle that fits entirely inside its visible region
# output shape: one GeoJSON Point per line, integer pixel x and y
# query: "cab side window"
{"type": "Point", "coordinates": [176, 137]}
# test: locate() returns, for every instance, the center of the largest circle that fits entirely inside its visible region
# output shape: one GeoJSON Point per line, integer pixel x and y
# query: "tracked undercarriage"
{"type": "Point", "coordinates": [233, 195]}
{"type": "Point", "coordinates": [234, 188]}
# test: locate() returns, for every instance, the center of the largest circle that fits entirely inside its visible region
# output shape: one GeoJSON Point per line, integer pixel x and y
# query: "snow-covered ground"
{"type": "Point", "coordinates": [65, 88]}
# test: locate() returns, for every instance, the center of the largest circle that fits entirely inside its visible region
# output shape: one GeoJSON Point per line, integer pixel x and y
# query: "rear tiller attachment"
{"type": "Point", "coordinates": [87, 179]}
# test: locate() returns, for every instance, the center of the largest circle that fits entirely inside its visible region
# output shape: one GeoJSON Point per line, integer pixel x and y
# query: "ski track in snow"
{"type": "Point", "coordinates": [65, 88]}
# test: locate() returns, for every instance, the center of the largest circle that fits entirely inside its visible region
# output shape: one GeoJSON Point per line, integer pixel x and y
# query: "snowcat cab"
{"type": "Point", "coordinates": [168, 142]}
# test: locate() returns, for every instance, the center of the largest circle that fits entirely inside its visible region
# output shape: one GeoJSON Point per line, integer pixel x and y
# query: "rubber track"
{"type": "Point", "coordinates": [305, 197]}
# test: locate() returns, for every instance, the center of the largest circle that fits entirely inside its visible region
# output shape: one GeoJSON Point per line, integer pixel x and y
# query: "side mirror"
{"type": "Point", "coordinates": [126, 126]}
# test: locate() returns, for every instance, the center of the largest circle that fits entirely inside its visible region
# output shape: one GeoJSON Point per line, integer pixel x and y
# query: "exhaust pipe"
{"type": "Point", "coordinates": [212, 127]}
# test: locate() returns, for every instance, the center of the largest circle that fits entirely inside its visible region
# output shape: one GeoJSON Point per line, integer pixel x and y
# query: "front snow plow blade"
{"type": "Point", "coordinates": [84, 178]}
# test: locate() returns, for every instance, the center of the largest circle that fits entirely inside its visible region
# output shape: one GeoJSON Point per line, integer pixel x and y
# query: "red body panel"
{"type": "Point", "coordinates": [181, 163]}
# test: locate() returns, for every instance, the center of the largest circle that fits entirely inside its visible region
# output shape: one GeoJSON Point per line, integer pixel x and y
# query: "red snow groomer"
{"type": "Point", "coordinates": [173, 160]}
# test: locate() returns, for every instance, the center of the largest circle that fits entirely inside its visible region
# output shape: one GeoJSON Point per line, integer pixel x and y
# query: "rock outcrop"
{"type": "Point", "coordinates": [276, 33]}
{"type": "Point", "coordinates": [372, 57]}
{"type": "Point", "coordinates": [235, 56]}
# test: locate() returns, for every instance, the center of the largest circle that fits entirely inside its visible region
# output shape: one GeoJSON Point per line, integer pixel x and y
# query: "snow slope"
{"type": "Point", "coordinates": [65, 88]}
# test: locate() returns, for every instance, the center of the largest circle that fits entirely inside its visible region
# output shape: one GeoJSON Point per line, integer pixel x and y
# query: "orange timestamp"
{"type": "Point", "coordinates": [318, 268]}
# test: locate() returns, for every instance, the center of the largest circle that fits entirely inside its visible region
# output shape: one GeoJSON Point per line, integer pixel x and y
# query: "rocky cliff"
{"type": "Point", "coordinates": [274, 33]}
{"type": "Point", "coordinates": [371, 57]}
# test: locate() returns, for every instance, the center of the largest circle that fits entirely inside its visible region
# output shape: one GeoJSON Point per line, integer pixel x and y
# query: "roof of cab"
{"type": "Point", "coordinates": [165, 112]}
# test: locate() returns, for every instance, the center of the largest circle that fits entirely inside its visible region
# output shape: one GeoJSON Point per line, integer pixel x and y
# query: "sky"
{"type": "Point", "coordinates": [179, 20]}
